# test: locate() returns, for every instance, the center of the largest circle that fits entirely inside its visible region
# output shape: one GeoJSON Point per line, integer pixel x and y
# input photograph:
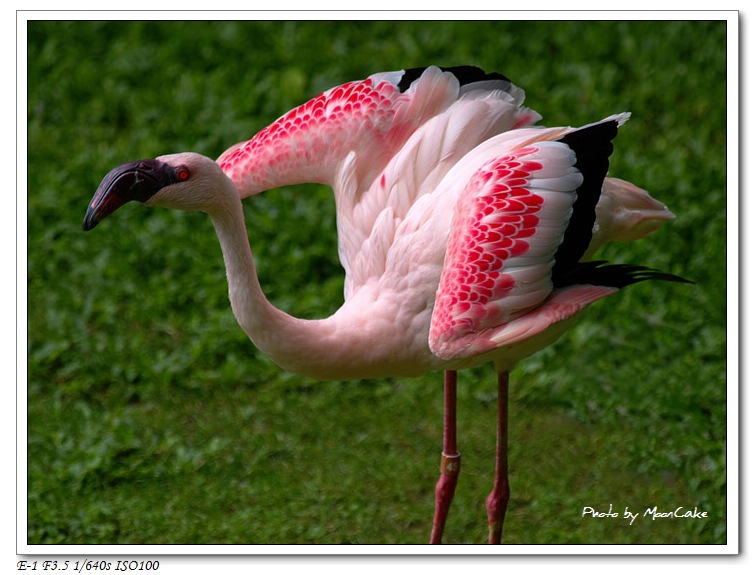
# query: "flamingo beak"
{"type": "Point", "coordinates": [138, 180]}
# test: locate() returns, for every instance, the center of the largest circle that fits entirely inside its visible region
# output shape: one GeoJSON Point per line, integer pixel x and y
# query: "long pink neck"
{"type": "Point", "coordinates": [273, 331]}
{"type": "Point", "coordinates": [323, 348]}
{"type": "Point", "coordinates": [253, 311]}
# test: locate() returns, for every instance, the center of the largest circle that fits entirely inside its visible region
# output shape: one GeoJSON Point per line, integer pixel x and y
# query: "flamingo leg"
{"type": "Point", "coordinates": [498, 499]}
{"type": "Point", "coordinates": [450, 459]}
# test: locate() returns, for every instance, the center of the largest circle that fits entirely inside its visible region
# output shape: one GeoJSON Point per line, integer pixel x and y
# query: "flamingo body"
{"type": "Point", "coordinates": [464, 231]}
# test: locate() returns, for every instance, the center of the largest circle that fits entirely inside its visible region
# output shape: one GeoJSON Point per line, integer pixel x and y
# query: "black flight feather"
{"type": "Point", "coordinates": [592, 146]}
{"type": "Point", "coordinates": [465, 75]}
{"type": "Point", "coordinates": [601, 273]}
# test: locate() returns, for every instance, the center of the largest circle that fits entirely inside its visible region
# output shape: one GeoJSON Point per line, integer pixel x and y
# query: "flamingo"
{"type": "Point", "coordinates": [465, 232]}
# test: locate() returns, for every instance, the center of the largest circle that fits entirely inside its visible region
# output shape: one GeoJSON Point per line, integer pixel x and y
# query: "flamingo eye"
{"type": "Point", "coordinates": [182, 173]}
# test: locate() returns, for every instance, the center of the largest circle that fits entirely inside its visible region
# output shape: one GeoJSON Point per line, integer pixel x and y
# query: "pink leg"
{"type": "Point", "coordinates": [450, 459]}
{"type": "Point", "coordinates": [499, 497]}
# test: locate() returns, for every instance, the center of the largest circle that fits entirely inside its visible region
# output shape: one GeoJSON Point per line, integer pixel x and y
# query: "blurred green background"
{"type": "Point", "coordinates": [152, 419]}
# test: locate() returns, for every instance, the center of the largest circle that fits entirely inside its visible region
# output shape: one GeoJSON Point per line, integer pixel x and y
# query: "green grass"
{"type": "Point", "coordinates": [152, 419]}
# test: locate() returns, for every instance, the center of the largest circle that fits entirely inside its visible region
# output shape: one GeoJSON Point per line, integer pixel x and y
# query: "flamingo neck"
{"type": "Point", "coordinates": [273, 331]}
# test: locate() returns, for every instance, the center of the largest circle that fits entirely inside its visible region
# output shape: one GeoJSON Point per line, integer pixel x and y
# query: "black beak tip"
{"type": "Point", "coordinates": [89, 221]}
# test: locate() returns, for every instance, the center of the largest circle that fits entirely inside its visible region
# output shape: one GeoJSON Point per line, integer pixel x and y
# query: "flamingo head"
{"type": "Point", "coordinates": [184, 181]}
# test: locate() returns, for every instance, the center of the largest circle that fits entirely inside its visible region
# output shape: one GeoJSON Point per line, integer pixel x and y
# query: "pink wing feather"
{"type": "Point", "coordinates": [304, 144]}
{"type": "Point", "coordinates": [509, 222]}
{"type": "Point", "coordinates": [417, 170]}
{"type": "Point", "coordinates": [560, 305]}
{"type": "Point", "coordinates": [371, 118]}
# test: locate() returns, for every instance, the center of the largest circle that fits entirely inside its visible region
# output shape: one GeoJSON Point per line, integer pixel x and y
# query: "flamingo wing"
{"type": "Point", "coordinates": [521, 225]}
{"type": "Point", "coordinates": [371, 118]}
{"type": "Point", "coordinates": [370, 223]}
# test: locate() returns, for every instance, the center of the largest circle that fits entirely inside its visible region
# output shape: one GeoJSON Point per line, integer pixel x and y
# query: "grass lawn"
{"type": "Point", "coordinates": [152, 419]}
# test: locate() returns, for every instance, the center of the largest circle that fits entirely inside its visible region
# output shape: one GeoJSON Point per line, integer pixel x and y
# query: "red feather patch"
{"type": "Point", "coordinates": [491, 227]}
